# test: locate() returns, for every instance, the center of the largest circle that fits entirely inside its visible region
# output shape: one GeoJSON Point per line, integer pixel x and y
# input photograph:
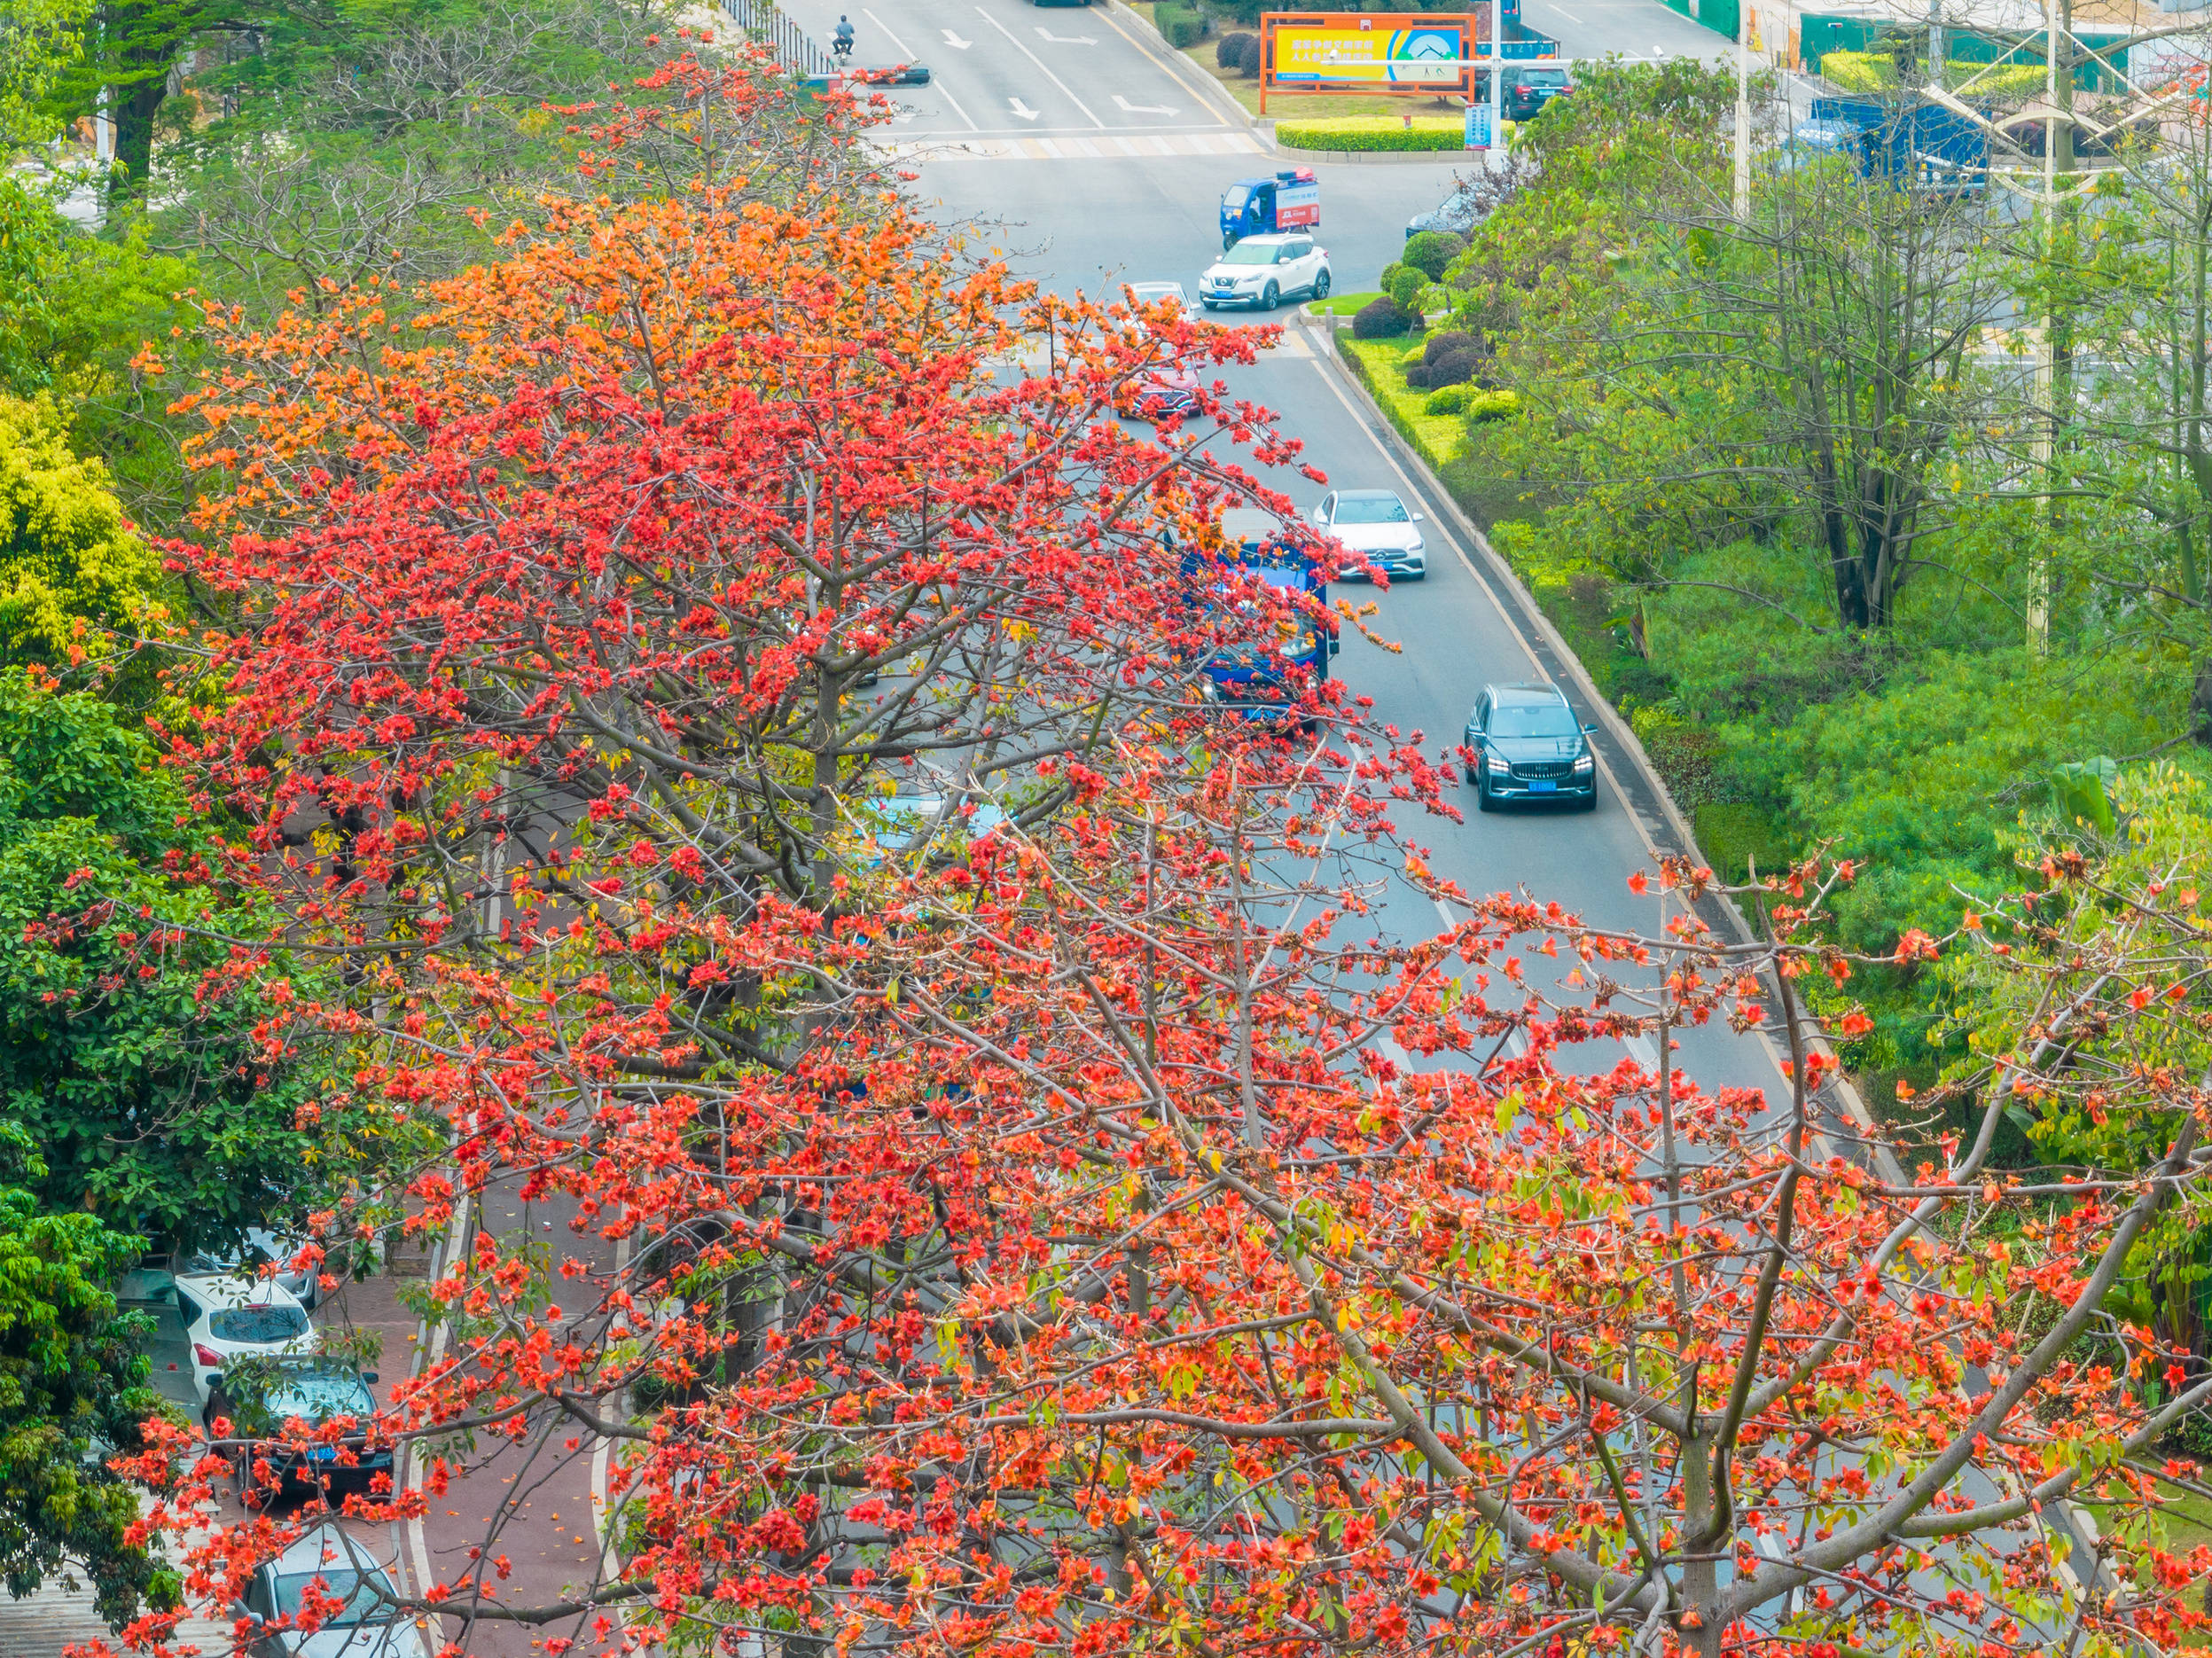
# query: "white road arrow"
{"type": "Point", "coordinates": [1023, 110]}
{"type": "Point", "coordinates": [1129, 108]}
{"type": "Point", "coordinates": [1065, 40]}
{"type": "Point", "coordinates": [955, 43]}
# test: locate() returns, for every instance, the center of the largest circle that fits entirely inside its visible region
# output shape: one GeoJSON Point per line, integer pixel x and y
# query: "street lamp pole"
{"type": "Point", "coordinates": [1743, 114]}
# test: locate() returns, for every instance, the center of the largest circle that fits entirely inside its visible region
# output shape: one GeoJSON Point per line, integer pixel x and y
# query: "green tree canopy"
{"type": "Point", "coordinates": [143, 1067]}
{"type": "Point", "coordinates": [73, 1392]}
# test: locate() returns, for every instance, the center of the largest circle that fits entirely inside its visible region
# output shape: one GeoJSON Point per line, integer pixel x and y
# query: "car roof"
{"type": "Point", "coordinates": [1368, 494]}
{"type": "Point", "coordinates": [234, 1289]}
{"type": "Point", "coordinates": [327, 1547]}
{"type": "Point", "coordinates": [1272, 236]}
{"type": "Point", "coordinates": [1525, 692]}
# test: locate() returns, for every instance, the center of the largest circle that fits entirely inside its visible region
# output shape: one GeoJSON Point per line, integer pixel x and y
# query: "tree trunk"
{"type": "Point", "coordinates": [135, 107]}
{"type": "Point", "coordinates": [2200, 704]}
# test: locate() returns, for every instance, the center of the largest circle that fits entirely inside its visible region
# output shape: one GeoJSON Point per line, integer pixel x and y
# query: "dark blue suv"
{"type": "Point", "coordinates": [1524, 743]}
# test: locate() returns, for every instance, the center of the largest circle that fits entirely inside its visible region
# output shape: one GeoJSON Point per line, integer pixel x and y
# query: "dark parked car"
{"type": "Point", "coordinates": [1524, 743]}
{"type": "Point", "coordinates": [337, 1568]}
{"type": "Point", "coordinates": [1459, 213]}
{"type": "Point", "coordinates": [259, 1397]}
{"type": "Point", "coordinates": [1528, 91]}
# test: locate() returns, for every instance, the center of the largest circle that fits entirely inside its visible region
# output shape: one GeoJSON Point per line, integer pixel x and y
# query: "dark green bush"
{"type": "Point", "coordinates": [1379, 319]}
{"type": "Point", "coordinates": [1228, 51]}
{"type": "Point", "coordinates": [1252, 57]}
{"type": "Point", "coordinates": [1432, 252]}
{"type": "Point", "coordinates": [1181, 27]}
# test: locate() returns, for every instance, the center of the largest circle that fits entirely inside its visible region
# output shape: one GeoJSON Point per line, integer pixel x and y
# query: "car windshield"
{"type": "Point", "coordinates": [318, 1395]}
{"type": "Point", "coordinates": [1234, 196]}
{"type": "Point", "coordinates": [267, 1323]}
{"type": "Point", "coordinates": [1250, 253]}
{"type": "Point", "coordinates": [1533, 719]}
{"type": "Point", "coordinates": [1374, 509]}
{"type": "Point", "coordinates": [1544, 77]}
{"type": "Point", "coordinates": [367, 1595]}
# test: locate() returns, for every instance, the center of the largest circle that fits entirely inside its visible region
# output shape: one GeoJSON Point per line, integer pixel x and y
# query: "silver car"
{"type": "Point", "coordinates": [338, 1566]}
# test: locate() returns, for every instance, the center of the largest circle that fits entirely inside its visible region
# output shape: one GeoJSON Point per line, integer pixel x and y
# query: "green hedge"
{"type": "Point", "coordinates": [1371, 133]}
{"type": "Point", "coordinates": [1181, 26]}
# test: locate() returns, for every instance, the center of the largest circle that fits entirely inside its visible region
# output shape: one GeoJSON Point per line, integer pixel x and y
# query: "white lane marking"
{"type": "Point", "coordinates": [955, 43]}
{"type": "Point", "coordinates": [901, 47]}
{"type": "Point", "coordinates": [1022, 110]}
{"type": "Point", "coordinates": [1177, 67]}
{"type": "Point", "coordinates": [1064, 40]}
{"type": "Point", "coordinates": [1040, 63]}
{"type": "Point", "coordinates": [1127, 108]}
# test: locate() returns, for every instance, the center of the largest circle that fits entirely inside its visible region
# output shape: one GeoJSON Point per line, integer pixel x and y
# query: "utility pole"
{"type": "Point", "coordinates": [2046, 413]}
{"type": "Point", "coordinates": [1497, 84]}
{"type": "Point", "coordinates": [1743, 114]}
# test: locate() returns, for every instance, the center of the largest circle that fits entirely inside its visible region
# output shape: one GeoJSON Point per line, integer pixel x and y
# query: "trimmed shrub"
{"type": "Point", "coordinates": [1417, 376]}
{"type": "Point", "coordinates": [1502, 405]}
{"type": "Point", "coordinates": [1371, 133]}
{"type": "Point", "coordinates": [1388, 273]}
{"type": "Point", "coordinates": [1455, 368]}
{"type": "Point", "coordinates": [1432, 252]}
{"type": "Point", "coordinates": [1448, 342]}
{"type": "Point", "coordinates": [1180, 26]}
{"type": "Point", "coordinates": [1450, 400]}
{"type": "Point", "coordinates": [1228, 51]}
{"type": "Point", "coordinates": [1250, 60]}
{"type": "Point", "coordinates": [1406, 288]}
{"type": "Point", "coordinates": [1379, 319]}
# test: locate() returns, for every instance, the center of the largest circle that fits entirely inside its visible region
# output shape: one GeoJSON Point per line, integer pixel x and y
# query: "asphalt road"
{"type": "Point", "coordinates": [1116, 179]}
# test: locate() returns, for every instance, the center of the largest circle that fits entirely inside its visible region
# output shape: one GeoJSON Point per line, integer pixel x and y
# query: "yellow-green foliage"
{"type": "Point", "coordinates": [66, 552]}
{"type": "Point", "coordinates": [1877, 72]}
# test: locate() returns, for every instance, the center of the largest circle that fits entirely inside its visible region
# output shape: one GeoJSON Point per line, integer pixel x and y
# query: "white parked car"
{"type": "Point", "coordinates": [1378, 525]}
{"type": "Point", "coordinates": [262, 1250]}
{"type": "Point", "coordinates": [1262, 271]}
{"type": "Point", "coordinates": [1157, 293]}
{"type": "Point", "coordinates": [228, 1316]}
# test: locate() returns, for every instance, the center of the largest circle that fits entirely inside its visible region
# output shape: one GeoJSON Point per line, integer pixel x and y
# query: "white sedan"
{"type": "Point", "coordinates": [1157, 293]}
{"type": "Point", "coordinates": [230, 1315]}
{"type": "Point", "coordinates": [1262, 271]}
{"type": "Point", "coordinates": [1379, 527]}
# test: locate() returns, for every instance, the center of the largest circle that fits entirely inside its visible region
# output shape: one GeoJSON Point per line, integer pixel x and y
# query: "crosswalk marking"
{"type": "Point", "coordinates": [1099, 148]}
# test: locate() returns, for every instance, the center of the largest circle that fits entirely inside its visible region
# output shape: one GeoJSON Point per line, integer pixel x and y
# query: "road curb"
{"type": "Point", "coordinates": [430, 1343]}
{"type": "Point", "coordinates": [1660, 819]}
{"type": "Point", "coordinates": [1149, 41]}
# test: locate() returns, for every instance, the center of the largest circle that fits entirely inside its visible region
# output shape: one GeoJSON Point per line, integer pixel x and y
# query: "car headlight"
{"type": "Point", "coordinates": [1417, 548]}
{"type": "Point", "coordinates": [1585, 762]}
{"type": "Point", "coordinates": [1499, 763]}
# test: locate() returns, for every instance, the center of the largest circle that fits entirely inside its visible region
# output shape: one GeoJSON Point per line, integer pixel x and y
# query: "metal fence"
{"type": "Point", "coordinates": [793, 47]}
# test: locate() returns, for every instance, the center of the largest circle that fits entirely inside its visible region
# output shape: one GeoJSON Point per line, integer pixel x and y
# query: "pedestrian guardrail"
{"type": "Point", "coordinates": [764, 22]}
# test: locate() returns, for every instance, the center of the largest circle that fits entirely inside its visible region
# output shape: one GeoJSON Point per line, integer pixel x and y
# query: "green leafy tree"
{"type": "Point", "coordinates": [73, 1393]}
{"type": "Point", "coordinates": [37, 37]}
{"type": "Point", "coordinates": [148, 1066]}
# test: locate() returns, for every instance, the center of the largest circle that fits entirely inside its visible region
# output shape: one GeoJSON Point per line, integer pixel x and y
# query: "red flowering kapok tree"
{"type": "Point", "coordinates": [1029, 1251]}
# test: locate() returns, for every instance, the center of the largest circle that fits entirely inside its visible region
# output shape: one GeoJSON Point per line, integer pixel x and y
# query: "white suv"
{"type": "Point", "coordinates": [1262, 271]}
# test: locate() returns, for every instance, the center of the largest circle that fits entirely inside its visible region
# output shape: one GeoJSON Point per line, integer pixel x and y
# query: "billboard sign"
{"type": "Point", "coordinates": [1363, 50]}
{"type": "Point", "coordinates": [1478, 127]}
